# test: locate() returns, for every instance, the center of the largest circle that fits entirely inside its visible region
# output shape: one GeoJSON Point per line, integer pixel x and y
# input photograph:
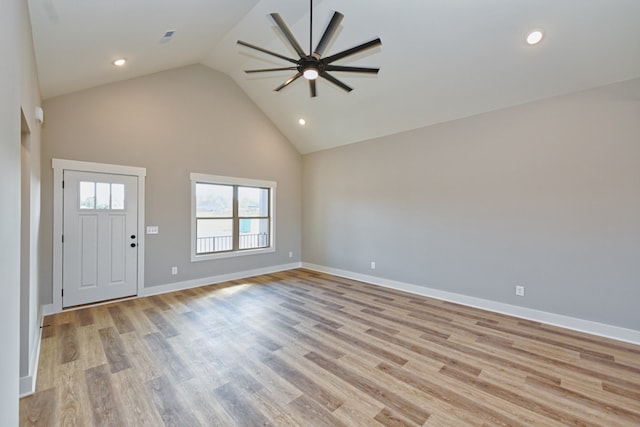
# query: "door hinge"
{"type": "Point", "coordinates": [62, 183]}
{"type": "Point", "coordinates": [63, 238]}
{"type": "Point", "coordinates": [62, 292]}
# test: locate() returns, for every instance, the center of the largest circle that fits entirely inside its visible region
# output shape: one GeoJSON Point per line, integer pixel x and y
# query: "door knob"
{"type": "Point", "coordinates": [133, 236]}
{"type": "Point", "coordinates": [133, 245]}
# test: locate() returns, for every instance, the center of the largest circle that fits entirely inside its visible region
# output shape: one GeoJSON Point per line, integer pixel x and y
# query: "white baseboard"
{"type": "Point", "coordinates": [594, 328]}
{"type": "Point", "coordinates": [49, 309]}
{"type": "Point", "coordinates": [195, 283]}
{"type": "Point", "coordinates": [28, 383]}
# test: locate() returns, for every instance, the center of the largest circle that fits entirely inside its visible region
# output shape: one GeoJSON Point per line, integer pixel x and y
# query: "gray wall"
{"type": "Point", "coordinates": [10, 211]}
{"type": "Point", "coordinates": [545, 195]}
{"type": "Point", "coordinates": [30, 303]}
{"type": "Point", "coordinates": [190, 119]}
{"type": "Point", "coordinates": [18, 92]}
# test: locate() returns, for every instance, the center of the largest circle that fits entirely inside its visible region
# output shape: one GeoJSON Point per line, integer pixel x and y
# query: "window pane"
{"type": "Point", "coordinates": [214, 235]}
{"type": "Point", "coordinates": [253, 201]}
{"type": "Point", "coordinates": [87, 195]}
{"type": "Point", "coordinates": [103, 195]}
{"type": "Point", "coordinates": [254, 233]}
{"type": "Point", "coordinates": [214, 201]}
{"type": "Point", "coordinates": [117, 196]}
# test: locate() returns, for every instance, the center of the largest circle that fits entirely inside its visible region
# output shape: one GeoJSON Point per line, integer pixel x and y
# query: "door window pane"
{"type": "Point", "coordinates": [103, 195]}
{"type": "Point", "coordinates": [117, 196]}
{"type": "Point", "coordinates": [87, 195]}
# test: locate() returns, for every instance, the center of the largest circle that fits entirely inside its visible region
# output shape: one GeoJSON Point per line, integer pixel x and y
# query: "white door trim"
{"type": "Point", "coordinates": [59, 166]}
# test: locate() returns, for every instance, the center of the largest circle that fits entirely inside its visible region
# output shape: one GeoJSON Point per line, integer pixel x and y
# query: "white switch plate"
{"type": "Point", "coordinates": [152, 229]}
{"type": "Point", "coordinates": [520, 291]}
{"type": "Point", "coordinates": [174, 270]}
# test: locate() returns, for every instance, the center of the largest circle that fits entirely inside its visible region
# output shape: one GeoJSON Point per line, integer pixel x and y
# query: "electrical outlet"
{"type": "Point", "coordinates": [520, 291]}
{"type": "Point", "coordinates": [290, 254]}
{"type": "Point", "coordinates": [373, 265]}
{"type": "Point", "coordinates": [174, 270]}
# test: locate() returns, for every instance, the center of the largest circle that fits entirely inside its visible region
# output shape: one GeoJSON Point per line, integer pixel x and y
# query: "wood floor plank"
{"type": "Point", "coordinates": [106, 412]}
{"type": "Point", "coordinates": [136, 408]}
{"type": "Point", "coordinates": [67, 342]}
{"type": "Point", "coordinates": [161, 323]}
{"type": "Point", "coordinates": [300, 337]}
{"type": "Point", "coordinates": [460, 399]}
{"type": "Point", "coordinates": [364, 384]}
{"type": "Point", "coordinates": [39, 409]}
{"type": "Point", "coordinates": [168, 357]}
{"type": "Point", "coordinates": [239, 407]}
{"type": "Point", "coordinates": [91, 352]}
{"type": "Point", "coordinates": [426, 352]}
{"type": "Point", "coordinates": [363, 345]}
{"type": "Point", "coordinates": [354, 404]}
{"type": "Point", "coordinates": [48, 327]}
{"type": "Point", "coordinates": [303, 348]}
{"type": "Point", "coordinates": [113, 349]}
{"type": "Point", "coordinates": [72, 401]}
{"type": "Point", "coordinates": [301, 381]}
{"type": "Point", "coordinates": [278, 413]}
{"type": "Point", "coordinates": [172, 410]}
{"type": "Point", "coordinates": [631, 382]}
{"type": "Point", "coordinates": [526, 402]}
{"type": "Point", "coordinates": [120, 319]}
{"type": "Point", "coordinates": [84, 317]}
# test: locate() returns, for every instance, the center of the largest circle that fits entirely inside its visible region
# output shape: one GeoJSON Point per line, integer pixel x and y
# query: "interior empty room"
{"type": "Point", "coordinates": [329, 213]}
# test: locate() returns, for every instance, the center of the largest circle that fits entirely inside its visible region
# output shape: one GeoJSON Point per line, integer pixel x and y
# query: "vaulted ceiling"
{"type": "Point", "coordinates": [440, 60]}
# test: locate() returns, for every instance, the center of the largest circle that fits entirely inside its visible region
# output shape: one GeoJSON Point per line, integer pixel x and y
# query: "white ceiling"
{"type": "Point", "coordinates": [440, 59]}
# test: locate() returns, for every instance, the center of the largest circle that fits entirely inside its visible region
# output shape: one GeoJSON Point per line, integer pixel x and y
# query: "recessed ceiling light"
{"type": "Point", "coordinates": [119, 62]}
{"type": "Point", "coordinates": [534, 37]}
{"type": "Point", "coordinates": [302, 122]}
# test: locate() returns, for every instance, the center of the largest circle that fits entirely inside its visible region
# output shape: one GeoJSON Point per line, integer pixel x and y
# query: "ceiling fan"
{"type": "Point", "coordinates": [313, 65]}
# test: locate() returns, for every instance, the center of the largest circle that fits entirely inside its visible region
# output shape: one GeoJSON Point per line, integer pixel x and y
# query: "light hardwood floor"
{"type": "Point", "coordinates": [309, 349]}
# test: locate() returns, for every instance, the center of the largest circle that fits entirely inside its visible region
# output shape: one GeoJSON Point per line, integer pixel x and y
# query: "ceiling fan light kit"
{"type": "Point", "coordinates": [313, 65]}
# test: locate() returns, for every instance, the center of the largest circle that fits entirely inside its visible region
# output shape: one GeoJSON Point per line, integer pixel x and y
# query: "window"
{"type": "Point", "coordinates": [231, 216]}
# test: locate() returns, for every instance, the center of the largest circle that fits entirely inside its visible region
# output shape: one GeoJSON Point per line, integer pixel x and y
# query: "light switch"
{"type": "Point", "coordinates": [152, 229]}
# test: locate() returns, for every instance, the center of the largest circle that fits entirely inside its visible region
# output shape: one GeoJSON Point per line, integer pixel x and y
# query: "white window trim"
{"type": "Point", "coordinates": [228, 180]}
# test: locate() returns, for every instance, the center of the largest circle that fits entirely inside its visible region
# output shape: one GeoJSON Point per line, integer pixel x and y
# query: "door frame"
{"type": "Point", "coordinates": [59, 166]}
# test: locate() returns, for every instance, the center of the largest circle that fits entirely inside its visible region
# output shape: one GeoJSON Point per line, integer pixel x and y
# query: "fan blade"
{"type": "Point", "coordinates": [285, 30]}
{"type": "Point", "coordinates": [335, 81]}
{"type": "Point", "coordinates": [277, 55]}
{"type": "Point", "coordinates": [312, 88]}
{"type": "Point", "coordinates": [263, 70]}
{"type": "Point", "coordinates": [288, 82]}
{"type": "Point", "coordinates": [329, 32]}
{"type": "Point", "coordinates": [352, 51]}
{"type": "Point", "coordinates": [352, 69]}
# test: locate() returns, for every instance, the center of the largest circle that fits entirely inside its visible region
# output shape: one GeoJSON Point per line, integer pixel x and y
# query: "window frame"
{"type": "Point", "coordinates": [197, 178]}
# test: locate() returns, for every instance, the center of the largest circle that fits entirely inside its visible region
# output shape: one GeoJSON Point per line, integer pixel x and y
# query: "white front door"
{"type": "Point", "coordinates": [100, 237]}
